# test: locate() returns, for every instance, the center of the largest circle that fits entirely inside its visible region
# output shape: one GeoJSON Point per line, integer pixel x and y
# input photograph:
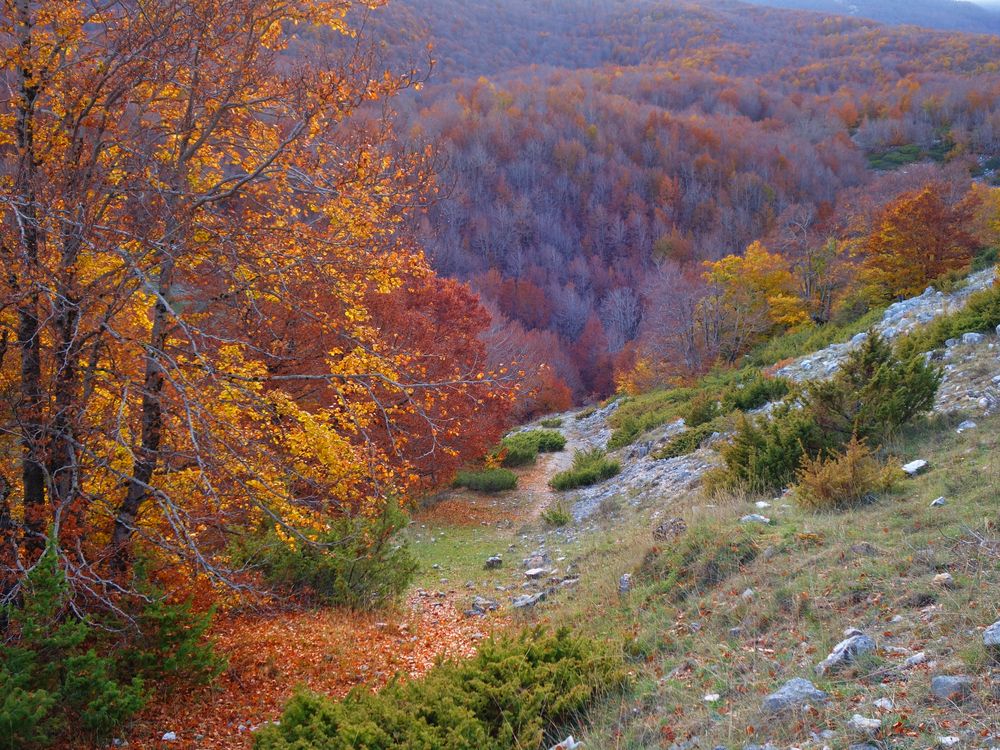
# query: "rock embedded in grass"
{"type": "Point", "coordinates": [793, 694]}
{"type": "Point", "coordinates": [951, 688]}
{"type": "Point", "coordinates": [914, 468]}
{"type": "Point", "coordinates": [755, 518]}
{"type": "Point", "coordinates": [528, 600]}
{"type": "Point", "coordinates": [864, 725]}
{"type": "Point", "coordinates": [494, 562]}
{"type": "Point", "coordinates": [991, 636]}
{"type": "Point", "coordinates": [846, 652]}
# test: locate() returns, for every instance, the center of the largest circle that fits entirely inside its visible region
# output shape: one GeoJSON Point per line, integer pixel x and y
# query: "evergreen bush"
{"type": "Point", "coordinates": [357, 563]}
{"type": "Point", "coordinates": [517, 692]}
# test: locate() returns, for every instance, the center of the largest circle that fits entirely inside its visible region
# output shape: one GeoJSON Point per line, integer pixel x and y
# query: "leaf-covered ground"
{"type": "Point", "coordinates": [329, 651]}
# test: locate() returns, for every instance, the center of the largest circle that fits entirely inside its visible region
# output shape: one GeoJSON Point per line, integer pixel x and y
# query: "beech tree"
{"type": "Point", "coordinates": [196, 227]}
{"type": "Point", "coordinates": [917, 238]}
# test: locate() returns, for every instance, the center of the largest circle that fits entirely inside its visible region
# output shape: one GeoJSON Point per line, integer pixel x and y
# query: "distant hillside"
{"type": "Point", "coordinates": [953, 15]}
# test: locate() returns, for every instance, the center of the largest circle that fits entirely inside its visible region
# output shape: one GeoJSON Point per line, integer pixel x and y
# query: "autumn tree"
{"type": "Point", "coordinates": [917, 238]}
{"type": "Point", "coordinates": [198, 228]}
{"type": "Point", "coordinates": [749, 296]}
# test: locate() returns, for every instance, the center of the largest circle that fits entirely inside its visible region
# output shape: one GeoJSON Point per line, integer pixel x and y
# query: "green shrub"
{"type": "Point", "coordinates": [754, 392]}
{"type": "Point", "coordinates": [357, 563]}
{"type": "Point", "coordinates": [487, 480]}
{"type": "Point", "coordinates": [988, 256]}
{"type": "Point", "coordinates": [704, 407]}
{"type": "Point", "coordinates": [872, 394]}
{"type": "Point", "coordinates": [521, 692]}
{"type": "Point", "coordinates": [552, 423]}
{"type": "Point", "coordinates": [522, 448]}
{"type": "Point", "coordinates": [765, 452]}
{"type": "Point", "coordinates": [686, 442]}
{"type": "Point", "coordinates": [585, 413]}
{"type": "Point", "coordinates": [556, 515]}
{"type": "Point", "coordinates": [843, 479]}
{"type": "Point", "coordinates": [589, 467]}
{"type": "Point", "coordinates": [51, 673]}
{"type": "Point", "coordinates": [981, 314]}
{"type": "Point", "coordinates": [700, 559]}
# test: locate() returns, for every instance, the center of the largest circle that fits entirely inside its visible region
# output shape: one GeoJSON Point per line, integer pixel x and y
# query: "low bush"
{"type": "Point", "coordinates": [699, 560]}
{"type": "Point", "coordinates": [843, 479]}
{"type": "Point", "coordinates": [556, 515]}
{"type": "Point", "coordinates": [754, 392]}
{"type": "Point", "coordinates": [802, 341]}
{"type": "Point", "coordinates": [981, 314]}
{"type": "Point", "coordinates": [62, 676]}
{"type": "Point", "coordinates": [586, 413]}
{"type": "Point", "coordinates": [765, 452]}
{"type": "Point", "coordinates": [357, 563]}
{"type": "Point", "coordinates": [517, 692]}
{"type": "Point", "coordinates": [522, 448]}
{"type": "Point", "coordinates": [703, 408]}
{"type": "Point", "coordinates": [686, 442]}
{"type": "Point", "coordinates": [873, 394]}
{"type": "Point", "coordinates": [589, 467]}
{"type": "Point", "coordinates": [552, 423]}
{"type": "Point", "coordinates": [487, 480]}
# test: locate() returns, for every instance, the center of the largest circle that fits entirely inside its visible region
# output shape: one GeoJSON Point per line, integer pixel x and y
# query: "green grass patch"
{"type": "Point", "coordinates": [808, 340]}
{"type": "Point", "coordinates": [552, 423]}
{"type": "Point", "coordinates": [557, 515]}
{"type": "Point", "coordinates": [589, 467]}
{"type": "Point", "coordinates": [897, 157]}
{"type": "Point", "coordinates": [698, 562]}
{"type": "Point", "coordinates": [487, 480]}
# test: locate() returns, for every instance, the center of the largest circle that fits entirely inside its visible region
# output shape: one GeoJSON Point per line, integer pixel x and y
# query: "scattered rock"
{"type": "Point", "coordinates": [567, 744]}
{"type": "Point", "coordinates": [169, 737]}
{"type": "Point", "coordinates": [669, 529]}
{"type": "Point", "coordinates": [973, 338]}
{"type": "Point", "coordinates": [864, 725]}
{"type": "Point", "coordinates": [494, 562]}
{"type": "Point", "coordinates": [796, 692]}
{"type": "Point", "coordinates": [846, 652]}
{"type": "Point", "coordinates": [755, 518]}
{"type": "Point", "coordinates": [952, 688]}
{"type": "Point", "coordinates": [938, 503]}
{"type": "Point", "coordinates": [884, 704]}
{"type": "Point", "coordinates": [712, 698]}
{"type": "Point", "coordinates": [968, 424]}
{"type": "Point", "coordinates": [762, 504]}
{"type": "Point", "coordinates": [918, 658]}
{"type": "Point", "coordinates": [625, 583]}
{"type": "Point", "coordinates": [945, 580]}
{"type": "Point", "coordinates": [948, 740]}
{"type": "Point", "coordinates": [951, 343]}
{"type": "Point", "coordinates": [915, 467]}
{"type": "Point", "coordinates": [748, 594]}
{"type": "Point", "coordinates": [991, 636]}
{"type": "Point", "coordinates": [535, 573]}
{"type": "Point", "coordinates": [528, 600]}
{"type": "Point", "coordinates": [864, 746]}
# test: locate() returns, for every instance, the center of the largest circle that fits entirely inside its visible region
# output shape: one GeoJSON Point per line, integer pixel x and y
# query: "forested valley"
{"type": "Point", "coordinates": [336, 336]}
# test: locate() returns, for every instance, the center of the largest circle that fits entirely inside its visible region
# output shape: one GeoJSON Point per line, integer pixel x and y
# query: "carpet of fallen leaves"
{"type": "Point", "coordinates": [328, 651]}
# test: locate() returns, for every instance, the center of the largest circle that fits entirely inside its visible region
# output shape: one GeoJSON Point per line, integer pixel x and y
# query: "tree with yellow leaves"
{"type": "Point", "coordinates": [194, 227]}
{"type": "Point", "coordinates": [749, 297]}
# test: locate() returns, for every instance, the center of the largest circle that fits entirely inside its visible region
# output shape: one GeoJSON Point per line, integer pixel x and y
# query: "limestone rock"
{"type": "Point", "coordinates": [864, 725]}
{"type": "Point", "coordinates": [846, 652]}
{"type": "Point", "coordinates": [794, 693]}
{"type": "Point", "coordinates": [951, 688]}
{"type": "Point", "coordinates": [914, 468]}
